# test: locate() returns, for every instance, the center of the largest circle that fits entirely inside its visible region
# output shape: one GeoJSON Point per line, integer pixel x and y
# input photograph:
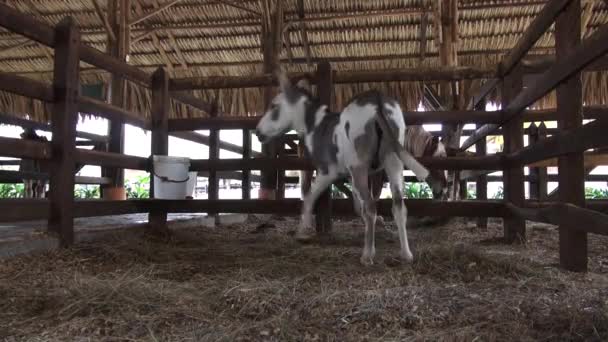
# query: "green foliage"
{"type": "Point", "coordinates": [592, 193]}
{"type": "Point", "coordinates": [87, 191]}
{"type": "Point", "coordinates": [138, 187]}
{"type": "Point", "coordinates": [11, 190]}
{"type": "Point", "coordinates": [500, 194]}
{"type": "Point", "coordinates": [417, 190]}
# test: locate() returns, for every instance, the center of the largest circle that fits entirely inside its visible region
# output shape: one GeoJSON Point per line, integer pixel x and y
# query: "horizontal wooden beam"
{"type": "Point", "coordinates": [535, 30]}
{"type": "Point", "coordinates": [9, 176]}
{"type": "Point", "coordinates": [204, 140]}
{"type": "Point", "coordinates": [15, 121]}
{"type": "Point", "coordinates": [105, 110]}
{"type": "Point", "coordinates": [564, 214]}
{"type": "Point", "coordinates": [109, 159]}
{"type": "Point", "coordinates": [341, 77]}
{"type": "Point", "coordinates": [22, 148]}
{"type": "Point", "coordinates": [26, 87]}
{"type": "Point", "coordinates": [193, 101]}
{"type": "Point", "coordinates": [591, 135]}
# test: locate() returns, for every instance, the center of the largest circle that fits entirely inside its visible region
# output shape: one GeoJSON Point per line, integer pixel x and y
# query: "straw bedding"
{"type": "Point", "coordinates": [252, 282]}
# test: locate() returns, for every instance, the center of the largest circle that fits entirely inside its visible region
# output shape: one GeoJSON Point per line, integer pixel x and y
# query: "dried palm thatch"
{"type": "Point", "coordinates": [195, 38]}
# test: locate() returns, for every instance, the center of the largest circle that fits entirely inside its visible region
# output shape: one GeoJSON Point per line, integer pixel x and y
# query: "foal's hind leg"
{"type": "Point", "coordinates": [305, 232]}
{"type": "Point", "coordinates": [394, 171]}
{"type": "Point", "coordinates": [368, 211]}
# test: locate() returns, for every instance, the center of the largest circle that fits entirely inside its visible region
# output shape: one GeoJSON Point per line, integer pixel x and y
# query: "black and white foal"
{"type": "Point", "coordinates": [368, 135]}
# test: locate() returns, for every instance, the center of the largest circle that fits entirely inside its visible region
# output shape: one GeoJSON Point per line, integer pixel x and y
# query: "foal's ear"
{"type": "Point", "coordinates": [284, 83]}
{"type": "Point", "coordinates": [303, 83]}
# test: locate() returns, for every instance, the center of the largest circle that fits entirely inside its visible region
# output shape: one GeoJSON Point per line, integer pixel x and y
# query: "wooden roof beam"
{"type": "Point", "coordinates": [176, 48]}
{"type": "Point", "coordinates": [45, 49]}
{"type": "Point", "coordinates": [233, 4]}
{"type": "Point", "coordinates": [155, 40]}
{"type": "Point", "coordinates": [144, 16]}
{"type": "Point", "coordinates": [304, 33]}
{"type": "Point", "coordinates": [104, 20]}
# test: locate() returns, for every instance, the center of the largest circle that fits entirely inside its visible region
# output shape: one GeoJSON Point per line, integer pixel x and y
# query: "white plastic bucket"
{"type": "Point", "coordinates": [191, 184]}
{"type": "Point", "coordinates": [170, 177]}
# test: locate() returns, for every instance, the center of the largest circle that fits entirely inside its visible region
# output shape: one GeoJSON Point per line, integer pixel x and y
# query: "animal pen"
{"type": "Point", "coordinates": [569, 144]}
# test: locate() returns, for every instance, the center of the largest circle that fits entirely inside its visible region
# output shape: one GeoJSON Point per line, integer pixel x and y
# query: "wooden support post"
{"type": "Point", "coordinates": [157, 219]}
{"type": "Point", "coordinates": [572, 242]}
{"type": "Point", "coordinates": [325, 91]}
{"type": "Point", "coordinates": [214, 154]}
{"type": "Point", "coordinates": [513, 131]}
{"type": "Point", "coordinates": [272, 26]}
{"type": "Point", "coordinates": [538, 182]}
{"type": "Point", "coordinates": [246, 180]}
{"type": "Point", "coordinates": [481, 183]}
{"type": "Point", "coordinates": [117, 48]}
{"type": "Point", "coordinates": [63, 125]}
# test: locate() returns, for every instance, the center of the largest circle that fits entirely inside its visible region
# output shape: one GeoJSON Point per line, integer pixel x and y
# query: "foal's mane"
{"type": "Point", "coordinates": [417, 139]}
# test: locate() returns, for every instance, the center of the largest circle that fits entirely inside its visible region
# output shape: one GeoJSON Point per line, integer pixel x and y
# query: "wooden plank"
{"type": "Point", "coordinates": [110, 159]}
{"type": "Point", "coordinates": [10, 176]}
{"type": "Point", "coordinates": [157, 219]}
{"type": "Point", "coordinates": [577, 219]}
{"type": "Point", "coordinates": [591, 135]}
{"type": "Point", "coordinates": [20, 148]}
{"type": "Point", "coordinates": [63, 125]}
{"type": "Point", "coordinates": [514, 227]}
{"type": "Point", "coordinates": [105, 110]}
{"type": "Point", "coordinates": [323, 207]}
{"type": "Point", "coordinates": [591, 160]}
{"type": "Point", "coordinates": [572, 243]}
{"type": "Point", "coordinates": [204, 140]}
{"type": "Point", "coordinates": [26, 87]}
{"type": "Point", "coordinates": [26, 25]}
{"type": "Point", "coordinates": [541, 23]}
{"type": "Point", "coordinates": [246, 181]}
{"type": "Point", "coordinates": [538, 187]}
{"type": "Point", "coordinates": [214, 154]}
{"type": "Point", "coordinates": [576, 59]}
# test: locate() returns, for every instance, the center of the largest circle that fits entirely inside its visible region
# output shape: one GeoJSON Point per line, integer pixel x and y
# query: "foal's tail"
{"type": "Point", "coordinates": [406, 158]}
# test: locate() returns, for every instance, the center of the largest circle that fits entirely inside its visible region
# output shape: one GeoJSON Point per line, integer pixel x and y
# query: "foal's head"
{"type": "Point", "coordinates": [287, 110]}
{"type": "Point", "coordinates": [437, 179]}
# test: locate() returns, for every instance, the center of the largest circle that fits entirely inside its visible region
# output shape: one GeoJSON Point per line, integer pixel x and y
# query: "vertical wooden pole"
{"type": "Point", "coordinates": [272, 26]}
{"type": "Point", "coordinates": [481, 183]}
{"type": "Point", "coordinates": [514, 227]}
{"type": "Point", "coordinates": [325, 89]}
{"type": "Point", "coordinates": [246, 180]}
{"type": "Point", "coordinates": [542, 171]}
{"type": "Point", "coordinates": [160, 138]}
{"type": "Point", "coordinates": [572, 242]}
{"type": "Point", "coordinates": [63, 126]}
{"type": "Point", "coordinates": [214, 154]}
{"type": "Point", "coordinates": [280, 173]}
{"type": "Point", "coordinates": [117, 92]}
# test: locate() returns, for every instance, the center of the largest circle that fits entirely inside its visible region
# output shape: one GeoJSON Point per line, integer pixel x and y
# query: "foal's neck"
{"type": "Point", "coordinates": [314, 112]}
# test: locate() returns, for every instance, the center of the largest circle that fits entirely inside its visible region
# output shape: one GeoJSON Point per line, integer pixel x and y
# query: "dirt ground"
{"type": "Point", "coordinates": [252, 282]}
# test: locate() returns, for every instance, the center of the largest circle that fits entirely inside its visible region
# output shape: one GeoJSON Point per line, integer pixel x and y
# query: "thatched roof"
{"type": "Point", "coordinates": [203, 38]}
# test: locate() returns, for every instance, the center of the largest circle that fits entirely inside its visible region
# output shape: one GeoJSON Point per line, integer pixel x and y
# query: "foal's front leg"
{"type": "Point", "coordinates": [321, 182]}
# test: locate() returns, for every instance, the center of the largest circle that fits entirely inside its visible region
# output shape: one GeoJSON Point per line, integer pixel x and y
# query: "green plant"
{"type": "Point", "coordinates": [11, 190]}
{"type": "Point", "coordinates": [593, 193]}
{"type": "Point", "coordinates": [139, 187]}
{"type": "Point", "coordinates": [417, 190]}
{"type": "Point", "coordinates": [86, 191]}
{"type": "Point", "coordinates": [499, 194]}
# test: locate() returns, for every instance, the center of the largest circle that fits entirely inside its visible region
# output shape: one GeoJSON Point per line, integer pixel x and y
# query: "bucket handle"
{"type": "Point", "coordinates": [166, 179]}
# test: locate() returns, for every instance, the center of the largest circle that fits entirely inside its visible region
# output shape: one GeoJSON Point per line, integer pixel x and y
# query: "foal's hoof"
{"type": "Point", "coordinates": [303, 236]}
{"type": "Point", "coordinates": [406, 257]}
{"type": "Point", "coordinates": [366, 260]}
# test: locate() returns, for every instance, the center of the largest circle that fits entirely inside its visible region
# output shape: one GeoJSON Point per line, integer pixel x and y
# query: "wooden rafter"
{"type": "Point", "coordinates": [143, 35]}
{"type": "Point", "coordinates": [144, 16]}
{"type": "Point", "coordinates": [173, 41]}
{"type": "Point", "coordinates": [586, 16]}
{"type": "Point", "coordinates": [104, 20]}
{"type": "Point", "coordinates": [45, 49]}
{"type": "Point", "coordinates": [234, 4]}
{"type": "Point", "coordinates": [155, 40]}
